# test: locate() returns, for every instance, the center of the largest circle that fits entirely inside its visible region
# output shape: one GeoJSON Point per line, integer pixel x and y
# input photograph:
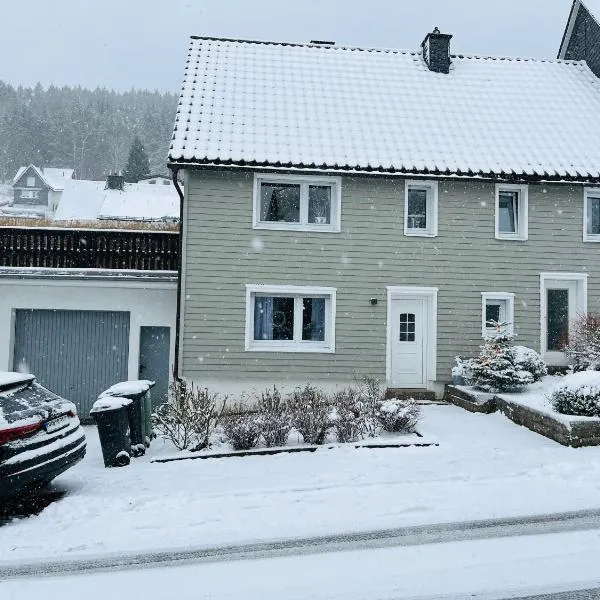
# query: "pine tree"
{"type": "Point", "coordinates": [496, 369]}
{"type": "Point", "coordinates": [138, 165]}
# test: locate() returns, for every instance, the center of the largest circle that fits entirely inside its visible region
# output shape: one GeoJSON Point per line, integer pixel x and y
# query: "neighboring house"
{"type": "Point", "coordinates": [95, 200]}
{"type": "Point", "coordinates": [156, 180]}
{"type": "Point", "coordinates": [581, 39]}
{"type": "Point", "coordinates": [37, 192]}
{"type": "Point", "coordinates": [352, 211]}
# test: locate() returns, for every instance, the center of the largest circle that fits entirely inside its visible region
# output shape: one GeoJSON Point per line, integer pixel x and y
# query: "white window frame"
{"type": "Point", "coordinates": [334, 225]}
{"type": "Point", "coordinates": [30, 181]}
{"type": "Point", "coordinates": [297, 344]}
{"type": "Point", "coordinates": [589, 237]}
{"type": "Point", "coordinates": [432, 208]}
{"type": "Point", "coordinates": [506, 298]}
{"type": "Point", "coordinates": [522, 232]}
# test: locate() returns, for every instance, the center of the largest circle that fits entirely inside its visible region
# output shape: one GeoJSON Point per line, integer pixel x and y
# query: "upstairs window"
{"type": "Point", "coordinates": [297, 203]}
{"type": "Point", "coordinates": [511, 212]}
{"type": "Point", "coordinates": [591, 216]}
{"type": "Point", "coordinates": [420, 208]}
{"type": "Point", "coordinates": [290, 318]}
{"type": "Point", "coordinates": [31, 182]}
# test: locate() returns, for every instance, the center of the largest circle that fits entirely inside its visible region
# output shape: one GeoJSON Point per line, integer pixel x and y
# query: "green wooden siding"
{"type": "Point", "coordinates": [223, 253]}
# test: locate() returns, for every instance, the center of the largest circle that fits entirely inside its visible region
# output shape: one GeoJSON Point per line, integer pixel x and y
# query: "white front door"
{"type": "Point", "coordinates": [561, 305]}
{"type": "Point", "coordinates": [408, 332]}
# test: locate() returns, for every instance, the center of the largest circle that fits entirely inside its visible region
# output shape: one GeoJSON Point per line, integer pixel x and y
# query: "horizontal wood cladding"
{"type": "Point", "coordinates": [224, 252]}
{"type": "Point", "coordinates": [89, 249]}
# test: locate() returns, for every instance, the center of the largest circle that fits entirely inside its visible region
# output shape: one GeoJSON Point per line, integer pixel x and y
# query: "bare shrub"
{"type": "Point", "coordinates": [189, 417]}
{"type": "Point", "coordinates": [584, 343]}
{"type": "Point", "coordinates": [371, 395]}
{"type": "Point", "coordinates": [242, 429]}
{"type": "Point", "coordinates": [397, 415]}
{"type": "Point", "coordinates": [274, 418]}
{"type": "Point", "coordinates": [347, 415]}
{"type": "Point", "coordinates": [310, 409]}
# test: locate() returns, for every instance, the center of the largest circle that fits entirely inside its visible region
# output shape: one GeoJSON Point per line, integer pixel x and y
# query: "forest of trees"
{"type": "Point", "coordinates": [90, 131]}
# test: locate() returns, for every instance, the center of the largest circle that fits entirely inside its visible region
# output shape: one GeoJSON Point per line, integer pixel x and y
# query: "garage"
{"type": "Point", "coordinates": [75, 353]}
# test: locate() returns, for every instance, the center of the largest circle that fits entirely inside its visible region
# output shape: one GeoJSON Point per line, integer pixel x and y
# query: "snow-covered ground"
{"type": "Point", "coordinates": [484, 467]}
{"type": "Point", "coordinates": [483, 570]}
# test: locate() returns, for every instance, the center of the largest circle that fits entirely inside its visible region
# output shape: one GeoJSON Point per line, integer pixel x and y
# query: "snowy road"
{"type": "Point", "coordinates": [497, 569]}
{"type": "Point", "coordinates": [400, 537]}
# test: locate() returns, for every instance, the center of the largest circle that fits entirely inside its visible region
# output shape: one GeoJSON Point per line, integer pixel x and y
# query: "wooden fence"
{"type": "Point", "coordinates": [89, 249]}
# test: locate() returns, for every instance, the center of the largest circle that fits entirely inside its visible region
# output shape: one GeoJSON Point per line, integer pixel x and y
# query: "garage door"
{"type": "Point", "coordinates": [76, 354]}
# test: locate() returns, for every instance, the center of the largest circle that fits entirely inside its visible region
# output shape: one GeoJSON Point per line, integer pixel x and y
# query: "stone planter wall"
{"type": "Point", "coordinates": [577, 434]}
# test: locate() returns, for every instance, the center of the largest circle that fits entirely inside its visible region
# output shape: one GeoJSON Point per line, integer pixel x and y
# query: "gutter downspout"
{"type": "Point", "coordinates": [175, 171]}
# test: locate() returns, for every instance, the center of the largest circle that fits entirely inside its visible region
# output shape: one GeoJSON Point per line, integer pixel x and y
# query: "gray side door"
{"type": "Point", "coordinates": [76, 354]}
{"type": "Point", "coordinates": [155, 343]}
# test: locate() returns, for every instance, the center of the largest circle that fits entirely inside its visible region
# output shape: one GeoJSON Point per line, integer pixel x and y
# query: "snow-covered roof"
{"type": "Point", "coordinates": [56, 177]}
{"type": "Point", "coordinates": [89, 200]}
{"type": "Point", "coordinates": [340, 108]}
{"type": "Point", "coordinates": [53, 177]}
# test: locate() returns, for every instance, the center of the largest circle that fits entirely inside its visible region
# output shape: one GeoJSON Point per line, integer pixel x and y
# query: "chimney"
{"type": "Point", "coordinates": [436, 51]}
{"type": "Point", "coordinates": [115, 182]}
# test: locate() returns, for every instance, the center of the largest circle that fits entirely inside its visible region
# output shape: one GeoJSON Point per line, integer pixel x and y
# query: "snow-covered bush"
{"type": "Point", "coordinates": [347, 415]}
{"type": "Point", "coordinates": [274, 418]}
{"type": "Point", "coordinates": [241, 428]}
{"type": "Point", "coordinates": [584, 343]}
{"type": "Point", "coordinates": [310, 408]}
{"type": "Point", "coordinates": [460, 371]}
{"type": "Point", "coordinates": [529, 360]}
{"type": "Point", "coordinates": [495, 369]}
{"type": "Point", "coordinates": [578, 394]}
{"type": "Point", "coordinates": [189, 417]}
{"type": "Point", "coordinates": [397, 415]}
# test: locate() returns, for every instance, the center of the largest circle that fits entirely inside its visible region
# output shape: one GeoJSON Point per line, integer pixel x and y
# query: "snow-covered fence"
{"type": "Point", "coordinates": [89, 248]}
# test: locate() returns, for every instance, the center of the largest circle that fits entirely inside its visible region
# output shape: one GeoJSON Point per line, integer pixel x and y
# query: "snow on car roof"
{"type": "Point", "coordinates": [358, 109]}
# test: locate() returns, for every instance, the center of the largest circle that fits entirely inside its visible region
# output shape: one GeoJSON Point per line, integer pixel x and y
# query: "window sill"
{"type": "Point", "coordinates": [591, 238]}
{"type": "Point", "coordinates": [510, 238]}
{"type": "Point", "coordinates": [294, 347]}
{"type": "Point", "coordinates": [417, 233]}
{"type": "Point", "coordinates": [297, 227]}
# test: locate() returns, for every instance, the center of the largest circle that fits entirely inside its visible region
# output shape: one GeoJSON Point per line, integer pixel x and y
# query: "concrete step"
{"type": "Point", "coordinates": [422, 396]}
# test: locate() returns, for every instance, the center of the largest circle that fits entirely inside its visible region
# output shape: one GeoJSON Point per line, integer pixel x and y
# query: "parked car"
{"type": "Point", "coordinates": [40, 435]}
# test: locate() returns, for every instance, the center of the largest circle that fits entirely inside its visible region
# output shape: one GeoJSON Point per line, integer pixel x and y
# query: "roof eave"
{"type": "Point", "coordinates": [360, 170]}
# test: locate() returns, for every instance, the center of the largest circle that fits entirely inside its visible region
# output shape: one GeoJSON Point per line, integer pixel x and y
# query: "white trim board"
{"type": "Point", "coordinates": [429, 294]}
{"type": "Point", "coordinates": [581, 279]}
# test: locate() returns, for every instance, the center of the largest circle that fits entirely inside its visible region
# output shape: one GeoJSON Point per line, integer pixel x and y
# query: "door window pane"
{"type": "Point", "coordinates": [558, 319]}
{"type": "Point", "coordinates": [407, 327]}
{"type": "Point", "coordinates": [508, 210]}
{"type": "Point", "coordinates": [313, 319]}
{"type": "Point", "coordinates": [280, 202]}
{"type": "Point", "coordinates": [417, 209]}
{"type": "Point", "coordinates": [593, 216]}
{"type": "Point", "coordinates": [319, 204]}
{"type": "Point", "coordinates": [273, 318]}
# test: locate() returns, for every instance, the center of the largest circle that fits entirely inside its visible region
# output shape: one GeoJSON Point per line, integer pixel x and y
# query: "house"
{"type": "Point", "coordinates": [355, 211]}
{"type": "Point", "coordinates": [156, 180]}
{"type": "Point", "coordinates": [116, 200]}
{"type": "Point", "coordinates": [36, 192]}
{"type": "Point", "coordinates": [581, 39]}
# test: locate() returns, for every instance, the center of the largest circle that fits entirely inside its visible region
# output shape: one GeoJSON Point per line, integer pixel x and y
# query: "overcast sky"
{"type": "Point", "coordinates": [142, 43]}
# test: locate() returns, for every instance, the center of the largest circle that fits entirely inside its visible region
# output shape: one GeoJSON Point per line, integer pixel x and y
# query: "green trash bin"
{"type": "Point", "coordinates": [139, 412]}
